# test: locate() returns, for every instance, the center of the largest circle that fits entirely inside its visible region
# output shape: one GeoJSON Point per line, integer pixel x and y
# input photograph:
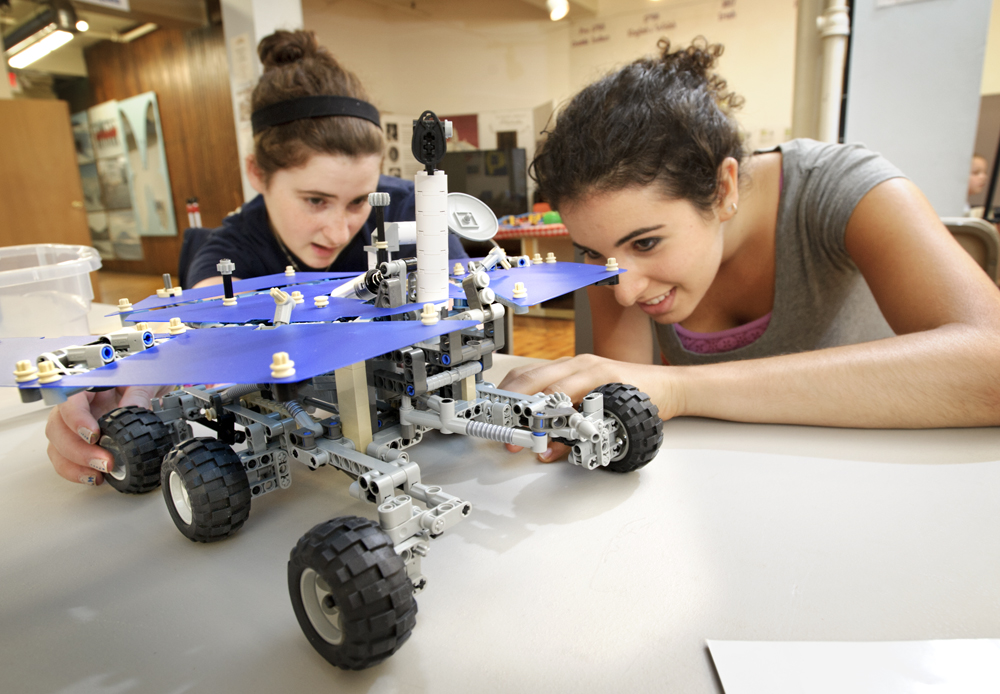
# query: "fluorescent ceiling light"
{"type": "Point", "coordinates": [40, 49]}
{"type": "Point", "coordinates": [557, 9]}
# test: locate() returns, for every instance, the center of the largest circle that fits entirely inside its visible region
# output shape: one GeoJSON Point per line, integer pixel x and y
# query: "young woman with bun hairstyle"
{"type": "Point", "coordinates": [318, 148]}
{"type": "Point", "coordinates": [810, 283]}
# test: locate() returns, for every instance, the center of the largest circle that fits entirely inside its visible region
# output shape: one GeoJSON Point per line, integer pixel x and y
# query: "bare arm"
{"type": "Point", "coordinates": [620, 333]}
{"type": "Point", "coordinates": [942, 368]}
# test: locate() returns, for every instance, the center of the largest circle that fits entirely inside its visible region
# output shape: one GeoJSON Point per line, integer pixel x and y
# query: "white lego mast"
{"type": "Point", "coordinates": [431, 188]}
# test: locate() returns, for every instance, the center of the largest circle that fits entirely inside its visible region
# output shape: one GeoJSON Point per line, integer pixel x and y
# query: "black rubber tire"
{"type": "Point", "coordinates": [368, 588]}
{"type": "Point", "coordinates": [138, 439]}
{"type": "Point", "coordinates": [641, 426]}
{"type": "Point", "coordinates": [217, 499]}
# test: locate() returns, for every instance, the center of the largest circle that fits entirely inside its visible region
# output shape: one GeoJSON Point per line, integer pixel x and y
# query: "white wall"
{"type": "Point", "coordinates": [498, 64]}
{"type": "Point", "coordinates": [914, 90]}
{"type": "Point", "coordinates": [991, 69]}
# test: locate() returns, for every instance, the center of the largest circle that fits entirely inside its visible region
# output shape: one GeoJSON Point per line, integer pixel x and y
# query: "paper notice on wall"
{"type": "Point", "coordinates": [959, 666]}
{"type": "Point", "coordinates": [241, 52]}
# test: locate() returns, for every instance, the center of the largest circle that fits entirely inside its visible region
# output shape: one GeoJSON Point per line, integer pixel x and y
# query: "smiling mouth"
{"type": "Point", "coordinates": [658, 300]}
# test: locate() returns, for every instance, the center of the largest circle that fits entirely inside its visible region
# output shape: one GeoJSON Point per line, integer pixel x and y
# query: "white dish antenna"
{"type": "Point", "coordinates": [471, 218]}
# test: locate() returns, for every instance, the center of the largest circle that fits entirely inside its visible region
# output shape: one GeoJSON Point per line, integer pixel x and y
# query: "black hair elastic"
{"type": "Point", "coordinates": [312, 107]}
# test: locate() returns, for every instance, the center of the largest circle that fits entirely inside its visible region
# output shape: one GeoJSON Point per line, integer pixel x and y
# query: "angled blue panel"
{"type": "Point", "coordinates": [15, 349]}
{"type": "Point", "coordinates": [243, 354]}
{"type": "Point", "coordinates": [250, 285]}
{"type": "Point", "coordinates": [542, 282]}
{"type": "Point", "coordinates": [260, 307]}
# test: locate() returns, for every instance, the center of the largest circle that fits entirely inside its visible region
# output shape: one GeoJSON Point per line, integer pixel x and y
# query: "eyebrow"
{"type": "Point", "coordinates": [317, 193]}
{"type": "Point", "coordinates": [638, 232]}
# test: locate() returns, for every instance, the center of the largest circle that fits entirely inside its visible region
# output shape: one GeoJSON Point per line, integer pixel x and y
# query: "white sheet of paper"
{"type": "Point", "coordinates": [966, 666]}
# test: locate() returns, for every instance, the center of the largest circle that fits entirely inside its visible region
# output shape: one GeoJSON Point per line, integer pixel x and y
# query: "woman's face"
{"type": "Point", "coordinates": [671, 251]}
{"type": "Point", "coordinates": [977, 176]}
{"type": "Point", "coordinates": [317, 208]}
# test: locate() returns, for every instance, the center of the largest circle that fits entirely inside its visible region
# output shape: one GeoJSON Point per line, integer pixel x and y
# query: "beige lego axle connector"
{"type": "Point", "coordinates": [47, 372]}
{"type": "Point", "coordinates": [611, 265]}
{"type": "Point", "coordinates": [322, 301]}
{"type": "Point", "coordinates": [176, 327]}
{"type": "Point", "coordinates": [429, 316]}
{"type": "Point", "coordinates": [282, 366]}
{"type": "Point", "coordinates": [124, 305]}
{"type": "Point", "coordinates": [519, 291]}
{"type": "Point", "coordinates": [25, 371]}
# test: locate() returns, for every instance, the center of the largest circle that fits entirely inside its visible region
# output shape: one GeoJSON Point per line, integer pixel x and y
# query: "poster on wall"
{"type": "Point", "coordinates": [113, 175]}
{"type": "Point", "coordinates": [92, 198]}
{"type": "Point", "coordinates": [81, 138]}
{"type": "Point", "coordinates": [124, 237]}
{"type": "Point", "coordinates": [149, 182]}
{"type": "Point", "coordinates": [100, 234]}
{"type": "Point", "coordinates": [399, 160]}
{"type": "Point", "coordinates": [105, 130]}
{"type": "Point", "coordinates": [465, 133]}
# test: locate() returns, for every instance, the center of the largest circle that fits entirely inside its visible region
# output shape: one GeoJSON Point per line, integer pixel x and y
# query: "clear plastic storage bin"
{"type": "Point", "coordinates": [45, 289]}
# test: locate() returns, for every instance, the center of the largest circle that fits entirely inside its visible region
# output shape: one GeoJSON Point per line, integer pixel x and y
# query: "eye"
{"type": "Point", "coordinates": [359, 201]}
{"type": "Point", "coordinates": [316, 202]}
{"type": "Point", "coordinates": [644, 245]}
{"type": "Point", "coordinates": [590, 255]}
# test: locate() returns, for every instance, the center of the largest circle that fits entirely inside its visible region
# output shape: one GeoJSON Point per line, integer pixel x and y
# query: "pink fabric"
{"type": "Point", "coordinates": [724, 340]}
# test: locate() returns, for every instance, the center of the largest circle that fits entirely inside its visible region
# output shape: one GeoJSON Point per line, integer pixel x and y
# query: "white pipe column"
{"type": "Point", "coordinates": [834, 26]}
{"type": "Point", "coordinates": [432, 236]}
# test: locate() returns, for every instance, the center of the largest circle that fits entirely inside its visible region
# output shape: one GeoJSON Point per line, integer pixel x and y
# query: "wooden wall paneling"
{"type": "Point", "coordinates": [41, 195]}
{"type": "Point", "coordinates": [188, 72]}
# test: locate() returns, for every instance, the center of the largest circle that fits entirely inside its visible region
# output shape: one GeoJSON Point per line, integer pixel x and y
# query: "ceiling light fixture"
{"type": "Point", "coordinates": [82, 25]}
{"type": "Point", "coordinates": [51, 28]}
{"type": "Point", "coordinates": [557, 9]}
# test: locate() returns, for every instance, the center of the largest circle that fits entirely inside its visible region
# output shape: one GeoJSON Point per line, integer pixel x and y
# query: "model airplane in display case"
{"type": "Point", "coordinates": [347, 371]}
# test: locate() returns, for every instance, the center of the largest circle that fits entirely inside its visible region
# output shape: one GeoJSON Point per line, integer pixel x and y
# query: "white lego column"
{"type": "Point", "coordinates": [432, 236]}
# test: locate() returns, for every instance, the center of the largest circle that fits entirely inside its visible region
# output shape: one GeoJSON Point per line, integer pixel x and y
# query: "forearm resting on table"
{"type": "Point", "coordinates": [946, 377]}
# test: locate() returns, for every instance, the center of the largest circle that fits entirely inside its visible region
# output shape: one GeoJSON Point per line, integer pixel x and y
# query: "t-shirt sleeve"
{"type": "Point", "coordinates": [833, 180]}
{"type": "Point", "coordinates": [227, 243]}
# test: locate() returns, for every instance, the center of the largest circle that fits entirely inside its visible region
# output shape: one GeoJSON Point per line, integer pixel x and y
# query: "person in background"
{"type": "Point", "coordinates": [313, 165]}
{"type": "Point", "coordinates": [978, 178]}
{"type": "Point", "coordinates": [808, 284]}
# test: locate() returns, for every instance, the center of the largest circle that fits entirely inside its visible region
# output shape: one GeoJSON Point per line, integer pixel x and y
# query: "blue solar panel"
{"type": "Point", "coordinates": [243, 354]}
{"type": "Point", "coordinates": [260, 307]}
{"type": "Point", "coordinates": [15, 349]}
{"type": "Point", "coordinates": [250, 285]}
{"type": "Point", "coordinates": [542, 282]}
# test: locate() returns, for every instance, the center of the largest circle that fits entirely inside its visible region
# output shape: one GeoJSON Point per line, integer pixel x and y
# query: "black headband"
{"type": "Point", "coordinates": [312, 107]}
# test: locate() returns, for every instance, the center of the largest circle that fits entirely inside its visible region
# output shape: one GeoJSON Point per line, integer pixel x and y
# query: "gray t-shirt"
{"type": "Point", "coordinates": [820, 298]}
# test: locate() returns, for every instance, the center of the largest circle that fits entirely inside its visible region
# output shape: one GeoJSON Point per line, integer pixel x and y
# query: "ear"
{"type": "Point", "coordinates": [729, 189]}
{"type": "Point", "coordinates": [254, 175]}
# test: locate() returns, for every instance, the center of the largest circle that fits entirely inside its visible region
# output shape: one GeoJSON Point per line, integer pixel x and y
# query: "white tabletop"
{"type": "Point", "coordinates": [561, 580]}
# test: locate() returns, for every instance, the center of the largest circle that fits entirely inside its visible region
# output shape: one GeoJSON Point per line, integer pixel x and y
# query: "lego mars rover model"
{"type": "Point", "coordinates": [351, 381]}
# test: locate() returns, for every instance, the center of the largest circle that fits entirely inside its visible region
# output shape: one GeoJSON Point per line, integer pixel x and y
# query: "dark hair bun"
{"type": "Point", "coordinates": [287, 47]}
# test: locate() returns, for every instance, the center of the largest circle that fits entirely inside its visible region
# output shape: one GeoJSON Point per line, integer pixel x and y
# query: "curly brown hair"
{"type": "Point", "coordinates": [665, 119]}
{"type": "Point", "coordinates": [295, 65]}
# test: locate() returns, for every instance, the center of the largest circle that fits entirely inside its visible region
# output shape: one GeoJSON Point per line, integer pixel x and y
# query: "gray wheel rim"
{"type": "Point", "coordinates": [180, 499]}
{"type": "Point", "coordinates": [117, 470]}
{"type": "Point", "coordinates": [324, 615]}
{"type": "Point", "coordinates": [619, 439]}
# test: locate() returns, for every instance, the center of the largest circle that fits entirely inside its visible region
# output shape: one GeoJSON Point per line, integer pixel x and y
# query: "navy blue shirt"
{"type": "Point", "coordinates": [246, 239]}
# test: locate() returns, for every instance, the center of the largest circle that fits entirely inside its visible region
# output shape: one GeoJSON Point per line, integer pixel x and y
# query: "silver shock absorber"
{"type": "Point", "coordinates": [490, 432]}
